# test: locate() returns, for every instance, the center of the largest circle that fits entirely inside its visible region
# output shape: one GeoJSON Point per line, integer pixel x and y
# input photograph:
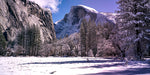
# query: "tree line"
{"type": "Point", "coordinates": [131, 35]}
{"type": "Point", "coordinates": [27, 42]}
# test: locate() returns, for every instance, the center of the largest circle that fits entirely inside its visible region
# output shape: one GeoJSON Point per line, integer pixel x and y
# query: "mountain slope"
{"type": "Point", "coordinates": [110, 16]}
{"type": "Point", "coordinates": [16, 15]}
{"type": "Point", "coordinates": [71, 21]}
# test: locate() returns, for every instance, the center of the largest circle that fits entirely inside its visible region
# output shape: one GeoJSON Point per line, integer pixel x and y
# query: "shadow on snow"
{"type": "Point", "coordinates": [130, 71]}
{"type": "Point", "coordinates": [72, 62]}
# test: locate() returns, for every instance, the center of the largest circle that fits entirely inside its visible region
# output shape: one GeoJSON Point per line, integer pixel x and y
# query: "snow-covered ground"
{"type": "Point", "coordinates": [70, 66]}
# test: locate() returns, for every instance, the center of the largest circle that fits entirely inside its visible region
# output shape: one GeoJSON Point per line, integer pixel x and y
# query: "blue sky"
{"type": "Point", "coordinates": [60, 7]}
{"type": "Point", "coordinates": [99, 5]}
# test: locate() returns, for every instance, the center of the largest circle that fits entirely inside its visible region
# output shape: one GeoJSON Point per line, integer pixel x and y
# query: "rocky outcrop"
{"type": "Point", "coordinates": [16, 15]}
{"type": "Point", "coordinates": [71, 22]}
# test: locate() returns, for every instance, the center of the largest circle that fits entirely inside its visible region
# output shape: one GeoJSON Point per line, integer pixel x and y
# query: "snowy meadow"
{"type": "Point", "coordinates": [71, 66]}
{"type": "Point", "coordinates": [77, 41]}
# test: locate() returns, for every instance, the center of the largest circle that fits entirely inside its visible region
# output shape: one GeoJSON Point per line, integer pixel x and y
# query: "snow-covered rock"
{"type": "Point", "coordinates": [89, 9]}
{"type": "Point", "coordinates": [16, 15]}
{"type": "Point", "coordinates": [110, 16]}
{"type": "Point", "coordinates": [71, 21]}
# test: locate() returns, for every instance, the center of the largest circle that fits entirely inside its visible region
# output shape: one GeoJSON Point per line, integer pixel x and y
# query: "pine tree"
{"type": "Point", "coordinates": [2, 43]}
{"type": "Point", "coordinates": [83, 35]}
{"type": "Point", "coordinates": [33, 40]}
{"type": "Point", "coordinates": [132, 23]}
{"type": "Point", "coordinates": [92, 37]}
{"type": "Point", "coordinates": [88, 37]}
{"type": "Point", "coordinates": [30, 40]}
{"type": "Point", "coordinates": [37, 40]}
{"type": "Point", "coordinates": [21, 38]}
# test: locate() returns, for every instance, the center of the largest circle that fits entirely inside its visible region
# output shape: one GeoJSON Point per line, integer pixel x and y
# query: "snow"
{"type": "Point", "coordinates": [89, 9]}
{"type": "Point", "coordinates": [58, 21]}
{"type": "Point", "coordinates": [101, 19]}
{"type": "Point", "coordinates": [65, 29]}
{"type": "Point", "coordinates": [70, 66]}
{"type": "Point", "coordinates": [87, 17]}
{"type": "Point", "coordinates": [110, 16]}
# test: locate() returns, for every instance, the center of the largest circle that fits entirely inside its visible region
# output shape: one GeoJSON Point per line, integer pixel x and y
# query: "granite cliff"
{"type": "Point", "coordinates": [16, 15]}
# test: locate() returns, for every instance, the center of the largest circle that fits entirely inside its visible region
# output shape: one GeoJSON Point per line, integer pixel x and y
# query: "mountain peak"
{"type": "Point", "coordinates": [88, 9]}
{"type": "Point", "coordinates": [71, 22]}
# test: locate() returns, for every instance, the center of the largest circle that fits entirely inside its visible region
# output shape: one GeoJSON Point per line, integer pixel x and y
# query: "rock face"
{"type": "Point", "coordinates": [71, 22]}
{"type": "Point", "coordinates": [16, 15]}
{"type": "Point", "coordinates": [110, 16]}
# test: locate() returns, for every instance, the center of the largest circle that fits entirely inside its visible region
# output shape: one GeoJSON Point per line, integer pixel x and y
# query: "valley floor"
{"type": "Point", "coordinates": [71, 66]}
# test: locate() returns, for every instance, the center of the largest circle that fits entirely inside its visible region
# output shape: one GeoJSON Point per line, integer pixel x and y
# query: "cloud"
{"type": "Point", "coordinates": [51, 4]}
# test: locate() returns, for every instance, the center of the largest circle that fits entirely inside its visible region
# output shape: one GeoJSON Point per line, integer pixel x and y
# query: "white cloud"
{"type": "Point", "coordinates": [51, 4]}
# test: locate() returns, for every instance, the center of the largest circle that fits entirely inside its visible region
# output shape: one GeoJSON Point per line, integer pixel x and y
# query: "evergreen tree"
{"type": "Point", "coordinates": [21, 38]}
{"type": "Point", "coordinates": [33, 40]}
{"type": "Point", "coordinates": [132, 24]}
{"type": "Point", "coordinates": [83, 35]}
{"type": "Point", "coordinates": [30, 40]}
{"type": "Point", "coordinates": [92, 37]}
{"type": "Point", "coordinates": [88, 37]}
{"type": "Point", "coordinates": [2, 43]}
{"type": "Point", "coordinates": [37, 40]}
